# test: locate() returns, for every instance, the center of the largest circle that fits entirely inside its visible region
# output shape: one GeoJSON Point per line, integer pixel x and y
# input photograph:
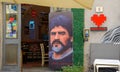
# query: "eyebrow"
{"type": "Point", "coordinates": [61, 33]}
{"type": "Point", "coordinates": [53, 33]}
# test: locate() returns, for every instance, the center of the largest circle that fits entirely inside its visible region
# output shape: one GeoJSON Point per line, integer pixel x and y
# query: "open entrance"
{"type": "Point", "coordinates": [34, 24]}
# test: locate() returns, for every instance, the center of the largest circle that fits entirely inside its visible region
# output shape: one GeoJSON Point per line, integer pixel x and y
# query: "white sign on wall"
{"type": "Point", "coordinates": [99, 9]}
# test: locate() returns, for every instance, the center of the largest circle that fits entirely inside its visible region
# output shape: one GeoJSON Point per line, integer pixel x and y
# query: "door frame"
{"type": "Point", "coordinates": [16, 41]}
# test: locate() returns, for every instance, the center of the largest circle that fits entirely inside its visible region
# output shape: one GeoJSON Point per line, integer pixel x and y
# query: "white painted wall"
{"type": "Point", "coordinates": [112, 12]}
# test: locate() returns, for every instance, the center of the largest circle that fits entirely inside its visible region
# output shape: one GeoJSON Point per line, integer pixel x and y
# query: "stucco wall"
{"type": "Point", "coordinates": [112, 12]}
{"type": "Point", "coordinates": [0, 35]}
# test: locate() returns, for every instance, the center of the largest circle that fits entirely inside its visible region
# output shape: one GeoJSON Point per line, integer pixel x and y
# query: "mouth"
{"type": "Point", "coordinates": [56, 44]}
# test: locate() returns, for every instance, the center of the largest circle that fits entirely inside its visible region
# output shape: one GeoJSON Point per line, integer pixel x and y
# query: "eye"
{"type": "Point", "coordinates": [61, 33]}
{"type": "Point", "coordinates": [53, 33]}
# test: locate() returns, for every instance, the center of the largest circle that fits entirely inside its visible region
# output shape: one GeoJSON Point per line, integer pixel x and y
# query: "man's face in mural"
{"type": "Point", "coordinates": [59, 39]}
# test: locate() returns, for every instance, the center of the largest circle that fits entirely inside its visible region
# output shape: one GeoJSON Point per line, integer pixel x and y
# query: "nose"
{"type": "Point", "coordinates": [57, 36]}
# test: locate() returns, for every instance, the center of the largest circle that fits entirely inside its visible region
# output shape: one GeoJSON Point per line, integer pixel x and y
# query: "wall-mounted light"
{"type": "Point", "coordinates": [86, 34]}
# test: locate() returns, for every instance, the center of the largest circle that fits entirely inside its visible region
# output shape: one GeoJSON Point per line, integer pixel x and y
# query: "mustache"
{"type": "Point", "coordinates": [57, 41]}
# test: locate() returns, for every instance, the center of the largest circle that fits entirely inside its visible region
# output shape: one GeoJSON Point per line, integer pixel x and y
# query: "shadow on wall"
{"type": "Point", "coordinates": [104, 51]}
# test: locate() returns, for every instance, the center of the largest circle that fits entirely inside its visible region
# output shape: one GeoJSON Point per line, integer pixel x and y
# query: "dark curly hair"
{"type": "Point", "coordinates": [63, 19]}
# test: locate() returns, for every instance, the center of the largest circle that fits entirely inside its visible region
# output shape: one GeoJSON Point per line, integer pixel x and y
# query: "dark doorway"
{"type": "Point", "coordinates": [34, 24]}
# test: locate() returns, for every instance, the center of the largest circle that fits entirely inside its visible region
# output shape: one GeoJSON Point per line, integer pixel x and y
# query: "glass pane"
{"type": "Point", "coordinates": [11, 21]}
{"type": "Point", "coordinates": [11, 53]}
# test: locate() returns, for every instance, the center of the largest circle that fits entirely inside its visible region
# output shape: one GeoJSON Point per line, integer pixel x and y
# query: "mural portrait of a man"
{"type": "Point", "coordinates": [61, 38]}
